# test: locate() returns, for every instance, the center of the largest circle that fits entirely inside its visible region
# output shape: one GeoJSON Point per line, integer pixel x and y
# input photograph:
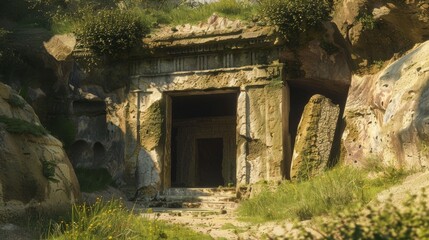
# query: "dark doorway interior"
{"type": "Point", "coordinates": [298, 99]}
{"type": "Point", "coordinates": [209, 162]}
{"type": "Point", "coordinates": [203, 139]}
{"type": "Point", "coordinates": [200, 106]}
{"type": "Point", "coordinates": [99, 155]}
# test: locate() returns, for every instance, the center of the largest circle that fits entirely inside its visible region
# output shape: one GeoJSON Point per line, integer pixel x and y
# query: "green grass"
{"type": "Point", "coordinates": [19, 126]}
{"type": "Point", "coordinates": [91, 180]}
{"type": "Point", "coordinates": [408, 219]}
{"type": "Point", "coordinates": [111, 220]}
{"type": "Point", "coordinates": [226, 8]}
{"type": "Point", "coordinates": [337, 189]}
{"type": "Point", "coordinates": [182, 14]}
{"type": "Point", "coordinates": [168, 14]}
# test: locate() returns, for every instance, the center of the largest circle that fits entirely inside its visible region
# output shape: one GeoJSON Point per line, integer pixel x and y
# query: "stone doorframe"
{"type": "Point", "coordinates": [167, 95]}
{"type": "Point", "coordinates": [259, 132]}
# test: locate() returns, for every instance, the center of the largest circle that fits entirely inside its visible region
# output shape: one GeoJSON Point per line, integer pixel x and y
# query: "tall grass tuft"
{"type": "Point", "coordinates": [337, 189]}
{"type": "Point", "coordinates": [111, 220]}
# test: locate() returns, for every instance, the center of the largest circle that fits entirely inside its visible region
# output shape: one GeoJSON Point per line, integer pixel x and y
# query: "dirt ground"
{"type": "Point", "coordinates": [221, 225]}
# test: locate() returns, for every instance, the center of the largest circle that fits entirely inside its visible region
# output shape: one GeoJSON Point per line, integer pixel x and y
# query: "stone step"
{"type": "Point", "coordinates": [196, 198]}
{"type": "Point", "coordinates": [219, 205]}
{"type": "Point", "coordinates": [222, 198]}
{"type": "Point", "coordinates": [198, 191]}
{"type": "Point", "coordinates": [219, 199]}
{"type": "Point", "coordinates": [193, 205]}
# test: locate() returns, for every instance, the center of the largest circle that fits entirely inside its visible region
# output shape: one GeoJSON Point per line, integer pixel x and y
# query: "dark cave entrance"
{"type": "Point", "coordinates": [203, 138]}
{"type": "Point", "coordinates": [300, 94]}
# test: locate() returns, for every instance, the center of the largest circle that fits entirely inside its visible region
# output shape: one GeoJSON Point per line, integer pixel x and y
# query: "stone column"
{"type": "Point", "coordinates": [242, 135]}
{"type": "Point", "coordinates": [260, 134]}
{"type": "Point", "coordinates": [274, 131]}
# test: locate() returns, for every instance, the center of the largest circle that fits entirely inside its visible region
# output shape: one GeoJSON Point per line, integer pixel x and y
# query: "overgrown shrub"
{"type": "Point", "coordinates": [296, 16]}
{"type": "Point", "coordinates": [111, 32]}
{"type": "Point", "coordinates": [408, 220]}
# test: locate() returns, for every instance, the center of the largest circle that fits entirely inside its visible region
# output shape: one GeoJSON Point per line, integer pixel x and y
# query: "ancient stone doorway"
{"type": "Point", "coordinates": [202, 138]}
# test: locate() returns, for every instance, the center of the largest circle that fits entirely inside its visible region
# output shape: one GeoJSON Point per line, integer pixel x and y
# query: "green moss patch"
{"type": "Point", "coordinates": [19, 126]}
{"type": "Point", "coordinates": [16, 101]}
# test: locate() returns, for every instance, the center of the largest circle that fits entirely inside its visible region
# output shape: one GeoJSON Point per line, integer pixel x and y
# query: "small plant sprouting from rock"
{"type": "Point", "coordinates": [367, 20]}
{"type": "Point", "coordinates": [48, 169]}
{"type": "Point", "coordinates": [378, 64]}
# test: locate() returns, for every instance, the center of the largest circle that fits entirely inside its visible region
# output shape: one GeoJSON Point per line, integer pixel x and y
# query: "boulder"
{"type": "Point", "coordinates": [378, 30]}
{"type": "Point", "coordinates": [314, 139]}
{"type": "Point", "coordinates": [36, 176]}
{"type": "Point", "coordinates": [387, 114]}
{"type": "Point", "coordinates": [60, 46]}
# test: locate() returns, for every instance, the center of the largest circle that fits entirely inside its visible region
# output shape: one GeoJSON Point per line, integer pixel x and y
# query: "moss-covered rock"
{"type": "Point", "coordinates": [35, 175]}
{"type": "Point", "coordinates": [314, 138]}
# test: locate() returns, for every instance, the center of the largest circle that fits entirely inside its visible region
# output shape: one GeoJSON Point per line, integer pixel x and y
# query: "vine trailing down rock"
{"type": "Point", "coordinates": [36, 176]}
{"type": "Point", "coordinates": [387, 114]}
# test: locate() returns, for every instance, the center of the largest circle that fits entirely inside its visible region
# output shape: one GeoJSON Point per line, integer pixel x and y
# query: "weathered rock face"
{"type": "Point", "coordinates": [376, 30]}
{"type": "Point", "coordinates": [88, 116]}
{"type": "Point", "coordinates": [35, 175]}
{"type": "Point", "coordinates": [387, 114]}
{"type": "Point", "coordinates": [319, 61]}
{"type": "Point", "coordinates": [314, 139]}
